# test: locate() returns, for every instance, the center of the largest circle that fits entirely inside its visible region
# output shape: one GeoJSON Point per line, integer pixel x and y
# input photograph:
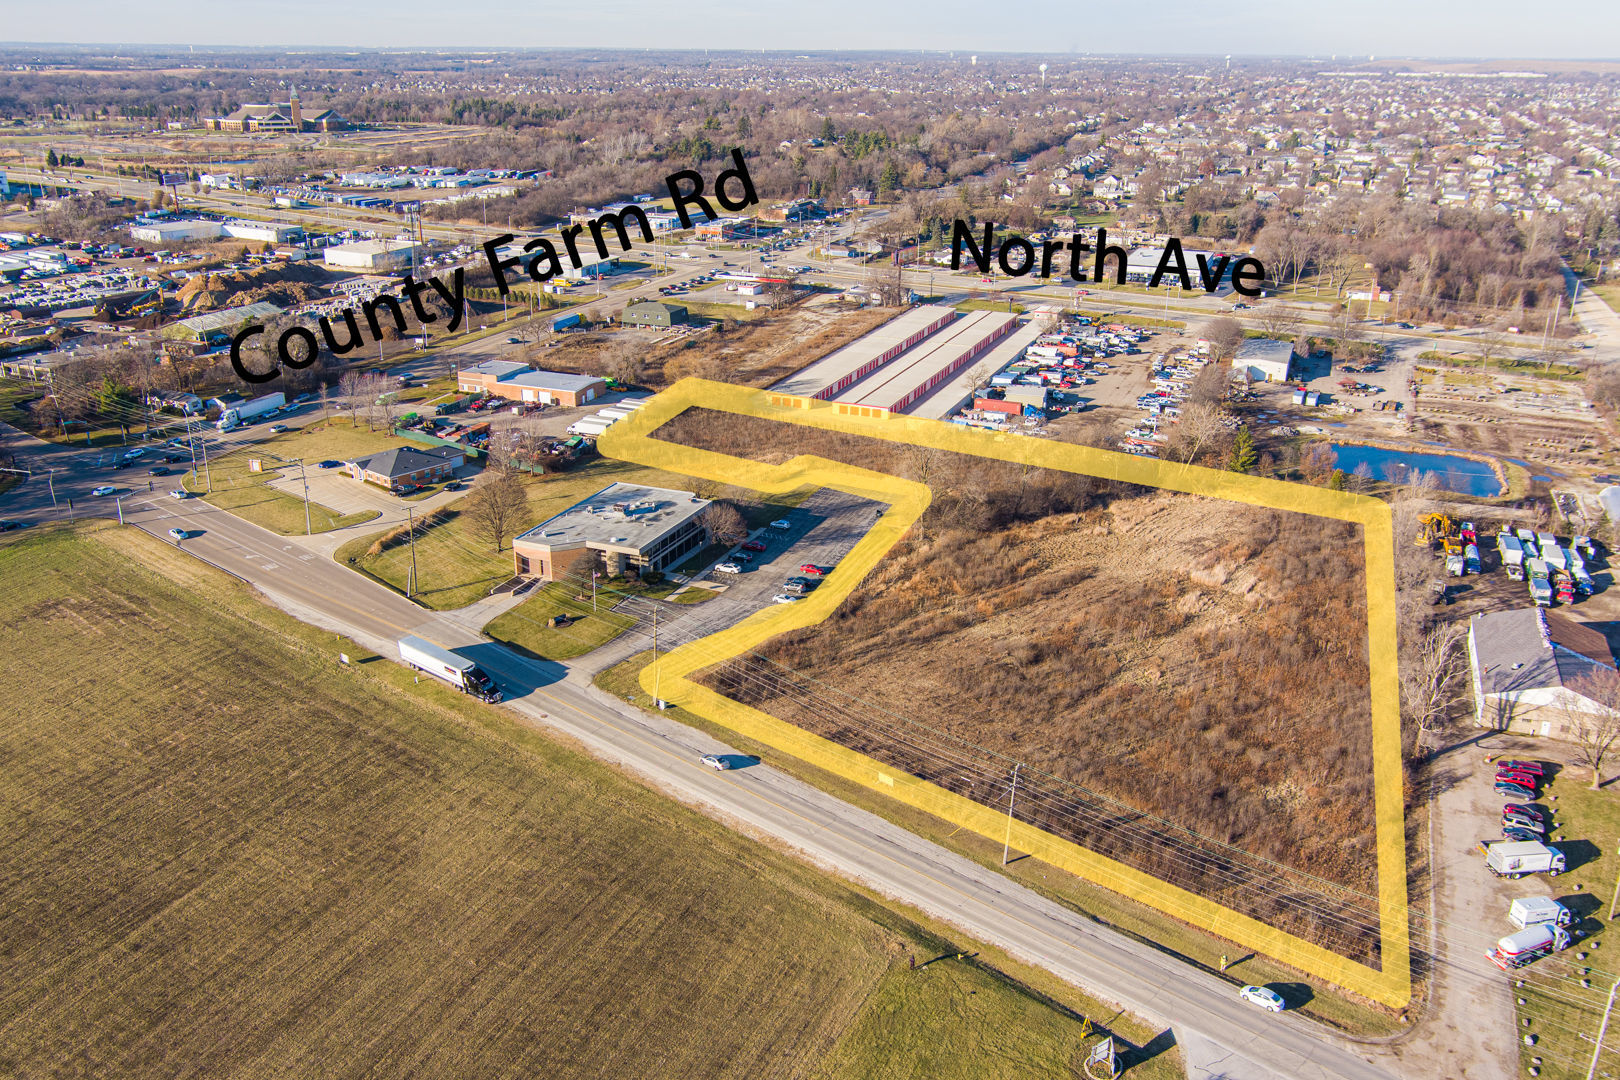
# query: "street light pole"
{"type": "Point", "coordinates": [1603, 1030]}
{"type": "Point", "coordinates": [1013, 799]}
{"type": "Point", "coordinates": [302, 475]}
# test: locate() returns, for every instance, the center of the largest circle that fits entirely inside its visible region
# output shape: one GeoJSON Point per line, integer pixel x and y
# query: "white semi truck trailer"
{"type": "Point", "coordinates": [441, 663]}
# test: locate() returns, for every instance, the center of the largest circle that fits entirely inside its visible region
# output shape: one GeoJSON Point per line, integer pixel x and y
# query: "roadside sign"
{"type": "Point", "coordinates": [172, 179]}
{"type": "Point", "coordinates": [1102, 1064]}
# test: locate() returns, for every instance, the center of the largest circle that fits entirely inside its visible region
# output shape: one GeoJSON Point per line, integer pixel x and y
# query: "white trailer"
{"type": "Point", "coordinates": [1535, 910]}
{"type": "Point", "coordinates": [441, 663]}
{"type": "Point", "coordinates": [247, 410]}
{"type": "Point", "coordinates": [613, 414]}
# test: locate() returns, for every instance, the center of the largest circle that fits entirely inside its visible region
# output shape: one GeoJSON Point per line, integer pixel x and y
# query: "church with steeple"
{"type": "Point", "coordinates": [285, 116]}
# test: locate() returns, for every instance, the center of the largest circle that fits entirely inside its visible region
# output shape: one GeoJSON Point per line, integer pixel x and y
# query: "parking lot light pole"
{"type": "Point", "coordinates": [1012, 799]}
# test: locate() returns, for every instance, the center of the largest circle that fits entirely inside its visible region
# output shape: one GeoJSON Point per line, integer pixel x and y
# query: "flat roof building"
{"type": "Point", "coordinates": [839, 369]}
{"type": "Point", "coordinates": [167, 232]}
{"type": "Point", "coordinates": [370, 256]}
{"type": "Point", "coordinates": [621, 528]}
{"type": "Point", "coordinates": [515, 381]}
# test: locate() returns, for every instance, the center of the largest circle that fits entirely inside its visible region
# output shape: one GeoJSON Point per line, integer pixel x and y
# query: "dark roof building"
{"type": "Point", "coordinates": [282, 116]}
{"type": "Point", "coordinates": [406, 465]}
{"type": "Point", "coordinates": [652, 313]}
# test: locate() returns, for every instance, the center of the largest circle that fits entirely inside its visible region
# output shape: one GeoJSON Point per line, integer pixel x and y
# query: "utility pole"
{"type": "Point", "coordinates": [1615, 903]}
{"type": "Point", "coordinates": [1010, 801]}
{"type": "Point", "coordinates": [1603, 1030]}
{"type": "Point", "coordinates": [410, 586]}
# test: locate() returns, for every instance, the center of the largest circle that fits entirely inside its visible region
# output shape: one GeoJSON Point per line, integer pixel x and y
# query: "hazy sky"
{"type": "Point", "coordinates": [1492, 28]}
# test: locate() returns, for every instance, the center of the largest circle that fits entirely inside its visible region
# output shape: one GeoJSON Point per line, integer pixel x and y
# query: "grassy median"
{"type": "Point", "coordinates": [223, 848]}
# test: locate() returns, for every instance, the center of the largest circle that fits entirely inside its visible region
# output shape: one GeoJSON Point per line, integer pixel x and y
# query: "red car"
{"type": "Point", "coordinates": [753, 545]}
{"type": "Point", "coordinates": [1524, 779]}
{"type": "Point", "coordinates": [811, 568]}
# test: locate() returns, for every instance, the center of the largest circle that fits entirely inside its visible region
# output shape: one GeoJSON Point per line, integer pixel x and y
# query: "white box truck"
{"type": "Point", "coordinates": [1529, 944]}
{"type": "Point", "coordinates": [441, 663]}
{"type": "Point", "coordinates": [1535, 910]}
{"type": "Point", "coordinates": [1512, 555]}
{"type": "Point", "coordinates": [247, 410]}
{"type": "Point", "coordinates": [1516, 858]}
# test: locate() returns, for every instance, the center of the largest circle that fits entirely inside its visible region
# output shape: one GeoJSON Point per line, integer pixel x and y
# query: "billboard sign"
{"type": "Point", "coordinates": [172, 179]}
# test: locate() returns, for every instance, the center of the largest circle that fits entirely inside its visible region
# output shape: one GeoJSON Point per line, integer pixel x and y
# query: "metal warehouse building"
{"type": "Point", "coordinates": [373, 255]}
{"type": "Point", "coordinates": [652, 313]}
{"type": "Point", "coordinates": [838, 370]}
{"type": "Point", "coordinates": [951, 396]}
{"type": "Point", "coordinates": [901, 384]}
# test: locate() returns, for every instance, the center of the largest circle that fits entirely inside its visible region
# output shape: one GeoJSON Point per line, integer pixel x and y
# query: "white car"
{"type": "Point", "coordinates": [179, 534]}
{"type": "Point", "coordinates": [785, 598]}
{"type": "Point", "coordinates": [179, 493]}
{"type": "Point", "coordinates": [131, 455]}
{"type": "Point", "coordinates": [277, 429]}
{"type": "Point", "coordinates": [1267, 999]}
{"type": "Point", "coordinates": [781, 523]}
{"type": "Point", "coordinates": [719, 764]}
{"type": "Point", "coordinates": [104, 489]}
{"type": "Point", "coordinates": [728, 568]}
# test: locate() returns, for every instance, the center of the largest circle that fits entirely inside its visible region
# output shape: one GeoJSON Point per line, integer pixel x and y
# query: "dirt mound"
{"type": "Point", "coordinates": [286, 286]}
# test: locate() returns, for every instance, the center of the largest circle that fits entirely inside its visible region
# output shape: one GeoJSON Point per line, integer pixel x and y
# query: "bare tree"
{"type": "Point", "coordinates": [1224, 335]}
{"type": "Point", "coordinates": [1433, 678]}
{"type": "Point", "coordinates": [351, 392]}
{"type": "Point", "coordinates": [1199, 432]}
{"type": "Point", "coordinates": [723, 523]}
{"type": "Point", "coordinates": [496, 504]}
{"type": "Point", "coordinates": [1594, 733]}
{"type": "Point", "coordinates": [1278, 319]}
{"type": "Point", "coordinates": [1318, 462]}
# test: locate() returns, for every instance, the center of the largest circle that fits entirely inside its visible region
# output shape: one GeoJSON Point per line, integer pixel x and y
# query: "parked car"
{"type": "Point", "coordinates": [1514, 791]}
{"type": "Point", "coordinates": [1518, 778]}
{"type": "Point", "coordinates": [812, 568]}
{"type": "Point", "coordinates": [728, 568]}
{"type": "Point", "coordinates": [329, 465]}
{"type": "Point", "coordinates": [407, 489]}
{"type": "Point", "coordinates": [741, 556]}
{"type": "Point", "coordinates": [1264, 997]}
{"type": "Point", "coordinates": [1524, 821]}
{"type": "Point", "coordinates": [781, 523]}
{"type": "Point", "coordinates": [104, 489]}
{"type": "Point", "coordinates": [1532, 767]}
{"type": "Point", "coordinates": [785, 598]}
{"type": "Point", "coordinates": [452, 485]}
{"type": "Point", "coordinates": [753, 545]}
{"type": "Point", "coordinates": [1516, 832]}
{"type": "Point", "coordinates": [1530, 810]}
{"type": "Point", "coordinates": [716, 762]}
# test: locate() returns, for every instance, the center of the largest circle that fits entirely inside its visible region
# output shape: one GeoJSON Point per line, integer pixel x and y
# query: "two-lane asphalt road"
{"type": "Point", "coordinates": [1223, 1035]}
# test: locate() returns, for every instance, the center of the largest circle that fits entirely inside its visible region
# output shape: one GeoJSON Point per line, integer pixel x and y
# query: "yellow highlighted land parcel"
{"type": "Point", "coordinates": [631, 439]}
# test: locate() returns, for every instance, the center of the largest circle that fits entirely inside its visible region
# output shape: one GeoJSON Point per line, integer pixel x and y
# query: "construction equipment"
{"type": "Point", "coordinates": [1439, 527]}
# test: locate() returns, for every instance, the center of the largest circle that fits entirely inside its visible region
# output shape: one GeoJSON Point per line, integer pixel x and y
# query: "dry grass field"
{"type": "Point", "coordinates": [221, 854]}
{"type": "Point", "coordinates": [1157, 662]}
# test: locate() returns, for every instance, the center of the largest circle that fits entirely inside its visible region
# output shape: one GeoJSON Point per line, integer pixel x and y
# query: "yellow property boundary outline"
{"type": "Point", "coordinates": [630, 439]}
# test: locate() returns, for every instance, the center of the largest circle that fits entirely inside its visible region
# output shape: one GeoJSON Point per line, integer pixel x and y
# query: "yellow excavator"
{"type": "Point", "coordinates": [1439, 527]}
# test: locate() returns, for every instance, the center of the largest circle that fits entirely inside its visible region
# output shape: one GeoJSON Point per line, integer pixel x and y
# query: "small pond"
{"type": "Point", "coordinates": [1462, 475]}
